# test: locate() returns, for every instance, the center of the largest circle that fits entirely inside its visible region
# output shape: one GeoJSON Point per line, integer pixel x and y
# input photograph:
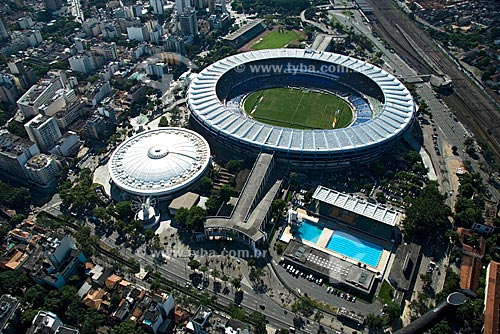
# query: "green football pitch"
{"type": "Point", "coordinates": [298, 109]}
{"type": "Point", "coordinates": [277, 39]}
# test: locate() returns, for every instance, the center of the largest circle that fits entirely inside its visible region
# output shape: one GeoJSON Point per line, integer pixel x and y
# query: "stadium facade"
{"type": "Point", "coordinates": [384, 108]}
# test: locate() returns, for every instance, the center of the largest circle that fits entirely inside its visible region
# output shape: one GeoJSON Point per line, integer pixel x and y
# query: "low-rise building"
{"type": "Point", "coordinates": [54, 261]}
{"type": "Point", "coordinates": [49, 323]}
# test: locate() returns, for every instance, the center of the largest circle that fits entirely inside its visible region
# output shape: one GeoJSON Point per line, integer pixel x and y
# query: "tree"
{"type": "Point", "coordinates": [393, 311]}
{"type": "Point", "coordinates": [234, 165]}
{"type": "Point", "coordinates": [126, 327]}
{"type": "Point", "coordinates": [318, 316]}
{"type": "Point", "coordinates": [124, 210]}
{"type": "Point", "coordinates": [374, 321]}
{"type": "Point", "coordinates": [441, 327]}
{"type": "Point", "coordinates": [259, 321]}
{"type": "Point", "coordinates": [163, 122]}
{"type": "Point", "coordinates": [236, 283]}
{"type": "Point", "coordinates": [225, 193]}
{"type": "Point", "coordinates": [194, 264]}
{"type": "Point", "coordinates": [427, 212]}
{"type": "Point", "coordinates": [205, 185]}
{"type": "Point", "coordinates": [13, 282]}
{"type": "Point", "coordinates": [182, 216]}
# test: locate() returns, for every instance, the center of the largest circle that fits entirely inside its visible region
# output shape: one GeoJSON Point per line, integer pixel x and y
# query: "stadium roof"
{"type": "Point", "coordinates": [394, 118]}
{"type": "Point", "coordinates": [243, 29]}
{"type": "Point", "coordinates": [158, 162]}
{"type": "Point", "coordinates": [363, 208]}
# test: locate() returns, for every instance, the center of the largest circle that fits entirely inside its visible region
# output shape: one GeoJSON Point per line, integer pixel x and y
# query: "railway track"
{"type": "Point", "coordinates": [469, 102]}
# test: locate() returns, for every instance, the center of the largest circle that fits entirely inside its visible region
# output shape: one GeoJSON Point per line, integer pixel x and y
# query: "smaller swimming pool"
{"type": "Point", "coordinates": [309, 231]}
{"type": "Point", "coordinates": [355, 248]}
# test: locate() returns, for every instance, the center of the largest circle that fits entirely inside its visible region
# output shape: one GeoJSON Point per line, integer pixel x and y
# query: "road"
{"type": "Point", "coordinates": [475, 109]}
{"type": "Point", "coordinates": [176, 269]}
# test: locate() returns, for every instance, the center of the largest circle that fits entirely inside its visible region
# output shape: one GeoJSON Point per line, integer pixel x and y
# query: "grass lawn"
{"type": "Point", "coordinates": [298, 109]}
{"type": "Point", "coordinates": [386, 293]}
{"type": "Point", "coordinates": [277, 39]}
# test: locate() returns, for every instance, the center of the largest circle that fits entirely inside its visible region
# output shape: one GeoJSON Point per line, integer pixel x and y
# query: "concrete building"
{"type": "Point", "coordinates": [9, 93]}
{"type": "Point", "coordinates": [10, 312]}
{"type": "Point", "coordinates": [157, 69]}
{"type": "Point", "coordinates": [4, 32]}
{"type": "Point", "coordinates": [182, 5]}
{"type": "Point", "coordinates": [25, 22]}
{"type": "Point", "coordinates": [14, 153]}
{"type": "Point", "coordinates": [54, 261]}
{"type": "Point", "coordinates": [252, 211]}
{"type": "Point", "coordinates": [106, 50]}
{"type": "Point", "coordinates": [138, 33]}
{"type": "Point", "coordinates": [26, 77]}
{"type": "Point", "coordinates": [52, 5]}
{"type": "Point", "coordinates": [67, 145]}
{"type": "Point", "coordinates": [70, 113]}
{"type": "Point", "coordinates": [42, 170]}
{"type": "Point", "coordinates": [32, 38]}
{"type": "Point", "coordinates": [43, 130]}
{"type": "Point", "coordinates": [82, 63]}
{"type": "Point", "coordinates": [97, 93]}
{"type": "Point", "coordinates": [158, 6]}
{"type": "Point", "coordinates": [49, 323]}
{"type": "Point", "coordinates": [39, 95]}
{"type": "Point", "coordinates": [245, 33]}
{"type": "Point", "coordinates": [61, 99]}
{"type": "Point", "coordinates": [188, 23]}
{"type": "Point", "coordinates": [174, 44]}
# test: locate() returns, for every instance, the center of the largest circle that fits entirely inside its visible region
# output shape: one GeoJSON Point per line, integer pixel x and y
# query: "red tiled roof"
{"type": "Point", "coordinates": [470, 272]}
{"type": "Point", "coordinates": [492, 307]}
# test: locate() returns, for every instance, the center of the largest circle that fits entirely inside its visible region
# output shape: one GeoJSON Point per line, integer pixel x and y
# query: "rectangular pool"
{"type": "Point", "coordinates": [309, 231]}
{"type": "Point", "coordinates": [355, 248]}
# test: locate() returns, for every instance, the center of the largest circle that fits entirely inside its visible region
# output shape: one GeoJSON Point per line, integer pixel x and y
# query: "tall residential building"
{"type": "Point", "coordinates": [188, 23]}
{"type": "Point", "coordinates": [25, 75]}
{"type": "Point", "coordinates": [182, 5]}
{"type": "Point", "coordinates": [39, 95]}
{"type": "Point", "coordinates": [52, 5]}
{"type": "Point", "coordinates": [138, 33]}
{"type": "Point", "coordinates": [14, 153]}
{"type": "Point", "coordinates": [158, 6]}
{"type": "Point", "coordinates": [43, 130]}
{"type": "Point", "coordinates": [82, 63]}
{"type": "Point", "coordinates": [42, 170]}
{"type": "Point", "coordinates": [4, 32]}
{"type": "Point", "coordinates": [106, 50]}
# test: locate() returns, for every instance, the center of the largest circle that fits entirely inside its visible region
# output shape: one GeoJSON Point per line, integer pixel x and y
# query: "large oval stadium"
{"type": "Point", "coordinates": [224, 104]}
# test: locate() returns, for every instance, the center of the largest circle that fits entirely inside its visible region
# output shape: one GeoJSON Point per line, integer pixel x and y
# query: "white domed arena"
{"type": "Point", "coordinates": [160, 162]}
{"type": "Point", "coordinates": [382, 107]}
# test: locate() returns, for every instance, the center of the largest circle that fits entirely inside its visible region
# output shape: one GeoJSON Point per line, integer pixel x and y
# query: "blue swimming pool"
{"type": "Point", "coordinates": [355, 248]}
{"type": "Point", "coordinates": [309, 231]}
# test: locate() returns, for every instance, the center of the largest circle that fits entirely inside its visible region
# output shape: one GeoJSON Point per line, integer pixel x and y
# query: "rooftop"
{"type": "Point", "coordinates": [492, 300]}
{"type": "Point", "coordinates": [160, 161]}
{"type": "Point", "coordinates": [187, 201]}
{"type": "Point", "coordinates": [243, 29]}
{"type": "Point", "coordinates": [350, 203]}
{"type": "Point", "coordinates": [242, 219]}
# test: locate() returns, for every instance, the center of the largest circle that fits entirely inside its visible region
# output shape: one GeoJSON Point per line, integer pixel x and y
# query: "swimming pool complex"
{"type": "Point", "coordinates": [343, 243]}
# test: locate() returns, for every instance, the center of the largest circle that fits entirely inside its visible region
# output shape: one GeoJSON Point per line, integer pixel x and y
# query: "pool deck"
{"type": "Point", "coordinates": [324, 237]}
{"type": "Point", "coordinates": [323, 241]}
